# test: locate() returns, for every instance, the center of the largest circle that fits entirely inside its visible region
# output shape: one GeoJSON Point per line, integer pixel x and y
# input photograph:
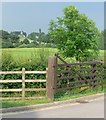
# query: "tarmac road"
{"type": "Point", "coordinates": [92, 109]}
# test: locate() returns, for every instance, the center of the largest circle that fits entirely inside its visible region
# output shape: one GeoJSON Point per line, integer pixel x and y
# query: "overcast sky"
{"type": "Point", "coordinates": [30, 16]}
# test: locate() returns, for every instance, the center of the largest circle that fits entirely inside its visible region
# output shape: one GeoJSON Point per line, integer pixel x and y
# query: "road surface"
{"type": "Point", "coordinates": [93, 109]}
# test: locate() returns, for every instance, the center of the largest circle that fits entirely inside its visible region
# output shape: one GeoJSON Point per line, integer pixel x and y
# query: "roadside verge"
{"type": "Point", "coordinates": [41, 106]}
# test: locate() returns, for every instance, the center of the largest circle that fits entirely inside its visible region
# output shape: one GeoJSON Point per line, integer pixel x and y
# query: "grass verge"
{"type": "Point", "coordinates": [58, 97]}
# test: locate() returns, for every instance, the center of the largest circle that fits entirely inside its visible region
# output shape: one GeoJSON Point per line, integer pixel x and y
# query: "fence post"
{"type": "Point", "coordinates": [102, 71]}
{"type": "Point", "coordinates": [51, 78]}
{"type": "Point", "coordinates": [23, 83]}
{"type": "Point", "coordinates": [94, 76]}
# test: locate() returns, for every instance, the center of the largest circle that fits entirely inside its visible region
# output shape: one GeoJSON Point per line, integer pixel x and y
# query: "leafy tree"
{"type": "Point", "coordinates": [4, 35]}
{"type": "Point", "coordinates": [7, 44]}
{"type": "Point", "coordinates": [14, 38]}
{"type": "Point", "coordinates": [104, 34]}
{"type": "Point", "coordinates": [33, 36]}
{"type": "Point", "coordinates": [101, 40]}
{"type": "Point", "coordinates": [25, 41]}
{"type": "Point", "coordinates": [40, 37]}
{"type": "Point", "coordinates": [5, 38]}
{"type": "Point", "coordinates": [75, 35]}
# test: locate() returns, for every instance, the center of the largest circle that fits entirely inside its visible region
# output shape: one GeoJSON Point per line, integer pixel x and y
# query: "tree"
{"type": "Point", "coordinates": [14, 38]}
{"type": "Point", "coordinates": [40, 37]}
{"type": "Point", "coordinates": [33, 36]}
{"type": "Point", "coordinates": [74, 34]}
{"type": "Point", "coordinates": [7, 44]}
{"type": "Point", "coordinates": [104, 39]}
{"type": "Point", "coordinates": [25, 41]}
{"type": "Point", "coordinates": [101, 41]}
{"type": "Point", "coordinates": [40, 31]}
{"type": "Point", "coordinates": [4, 35]}
{"type": "Point", "coordinates": [9, 40]}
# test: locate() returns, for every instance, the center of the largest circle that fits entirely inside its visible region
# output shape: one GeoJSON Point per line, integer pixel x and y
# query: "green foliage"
{"type": "Point", "coordinates": [14, 40]}
{"type": "Point", "coordinates": [7, 61]}
{"type": "Point", "coordinates": [25, 41]}
{"type": "Point", "coordinates": [75, 35]}
{"type": "Point", "coordinates": [40, 37]}
{"type": "Point", "coordinates": [4, 35]}
{"type": "Point", "coordinates": [9, 40]}
{"type": "Point", "coordinates": [102, 40]}
{"type": "Point", "coordinates": [33, 36]}
{"type": "Point", "coordinates": [31, 60]}
{"type": "Point", "coordinates": [7, 44]}
{"type": "Point", "coordinates": [104, 34]}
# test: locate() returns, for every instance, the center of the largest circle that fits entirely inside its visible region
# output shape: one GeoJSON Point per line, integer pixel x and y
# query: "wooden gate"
{"type": "Point", "coordinates": [67, 76]}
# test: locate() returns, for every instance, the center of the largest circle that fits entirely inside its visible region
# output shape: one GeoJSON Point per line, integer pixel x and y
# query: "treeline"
{"type": "Point", "coordinates": [22, 40]}
{"type": "Point", "coordinates": [36, 39]}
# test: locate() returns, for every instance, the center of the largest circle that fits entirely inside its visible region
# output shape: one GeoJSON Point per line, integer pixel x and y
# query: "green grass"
{"type": "Point", "coordinates": [101, 55]}
{"type": "Point", "coordinates": [58, 97]}
{"type": "Point", "coordinates": [75, 93]}
{"type": "Point", "coordinates": [27, 53]}
{"type": "Point", "coordinates": [17, 103]}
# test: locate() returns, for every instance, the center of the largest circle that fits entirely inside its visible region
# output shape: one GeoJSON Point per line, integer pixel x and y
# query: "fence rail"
{"type": "Point", "coordinates": [81, 63]}
{"type": "Point", "coordinates": [59, 77]}
{"type": "Point", "coordinates": [65, 76]}
{"type": "Point", "coordinates": [15, 81]}
{"type": "Point", "coordinates": [20, 72]}
{"type": "Point", "coordinates": [23, 81]}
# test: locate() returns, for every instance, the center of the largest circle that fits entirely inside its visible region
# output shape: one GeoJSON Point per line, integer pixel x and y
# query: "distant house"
{"type": "Point", "coordinates": [20, 33]}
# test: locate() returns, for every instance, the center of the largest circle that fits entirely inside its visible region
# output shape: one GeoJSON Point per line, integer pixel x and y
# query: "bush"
{"type": "Point", "coordinates": [7, 45]}
{"type": "Point", "coordinates": [37, 61]}
{"type": "Point", "coordinates": [7, 61]}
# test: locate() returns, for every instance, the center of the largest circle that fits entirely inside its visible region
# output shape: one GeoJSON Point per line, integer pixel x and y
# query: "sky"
{"type": "Point", "coordinates": [30, 16]}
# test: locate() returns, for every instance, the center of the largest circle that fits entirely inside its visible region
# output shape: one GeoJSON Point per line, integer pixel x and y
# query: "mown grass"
{"type": "Point", "coordinates": [17, 103]}
{"type": "Point", "coordinates": [58, 97]}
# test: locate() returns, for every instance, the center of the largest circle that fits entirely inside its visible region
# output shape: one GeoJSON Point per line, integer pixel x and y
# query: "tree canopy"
{"type": "Point", "coordinates": [74, 34]}
{"type": "Point", "coordinates": [103, 40]}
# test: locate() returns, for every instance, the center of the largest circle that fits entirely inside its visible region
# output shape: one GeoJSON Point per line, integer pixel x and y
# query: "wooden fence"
{"type": "Point", "coordinates": [60, 77]}
{"type": "Point", "coordinates": [70, 76]}
{"type": "Point", "coordinates": [23, 81]}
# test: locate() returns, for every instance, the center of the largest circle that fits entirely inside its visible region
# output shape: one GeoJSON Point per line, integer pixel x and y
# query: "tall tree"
{"type": "Point", "coordinates": [75, 35]}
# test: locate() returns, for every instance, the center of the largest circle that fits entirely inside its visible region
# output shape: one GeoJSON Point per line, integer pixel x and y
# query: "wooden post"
{"type": "Point", "coordinates": [102, 71]}
{"type": "Point", "coordinates": [51, 78]}
{"type": "Point", "coordinates": [94, 76]}
{"type": "Point", "coordinates": [23, 83]}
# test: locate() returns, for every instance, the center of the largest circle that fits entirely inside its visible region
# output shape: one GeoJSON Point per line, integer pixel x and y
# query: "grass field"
{"type": "Point", "coordinates": [27, 53]}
